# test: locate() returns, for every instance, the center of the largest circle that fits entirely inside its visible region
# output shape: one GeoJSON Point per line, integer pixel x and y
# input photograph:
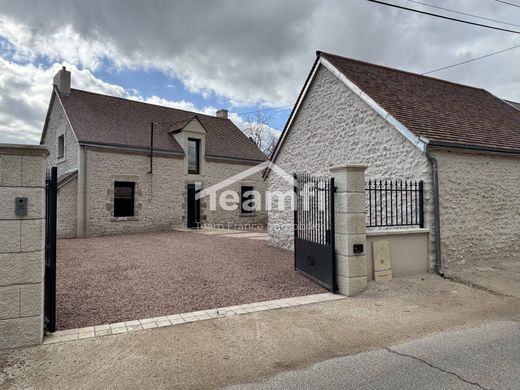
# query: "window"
{"type": "Point", "coordinates": [247, 200]}
{"type": "Point", "coordinates": [61, 146]}
{"type": "Point", "coordinates": [193, 156]}
{"type": "Point", "coordinates": [124, 199]}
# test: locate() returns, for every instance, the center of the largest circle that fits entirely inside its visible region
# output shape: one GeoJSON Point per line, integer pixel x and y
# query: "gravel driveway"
{"type": "Point", "coordinates": [119, 278]}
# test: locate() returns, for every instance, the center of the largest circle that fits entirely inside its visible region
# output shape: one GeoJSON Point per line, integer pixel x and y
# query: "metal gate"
{"type": "Point", "coordinates": [314, 253]}
{"type": "Point", "coordinates": [51, 202]}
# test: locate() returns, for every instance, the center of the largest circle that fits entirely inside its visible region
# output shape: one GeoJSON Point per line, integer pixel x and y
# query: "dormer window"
{"type": "Point", "coordinates": [193, 156]}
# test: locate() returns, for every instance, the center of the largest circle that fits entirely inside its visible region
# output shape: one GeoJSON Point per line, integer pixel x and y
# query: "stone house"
{"type": "Point", "coordinates": [463, 142]}
{"type": "Point", "coordinates": [126, 166]}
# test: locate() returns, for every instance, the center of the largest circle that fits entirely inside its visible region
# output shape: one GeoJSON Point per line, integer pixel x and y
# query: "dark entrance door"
{"type": "Point", "coordinates": [314, 254]}
{"type": "Point", "coordinates": [193, 211]}
{"type": "Point", "coordinates": [51, 202]}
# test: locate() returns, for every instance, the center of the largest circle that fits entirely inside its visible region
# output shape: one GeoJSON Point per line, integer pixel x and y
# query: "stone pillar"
{"type": "Point", "coordinates": [22, 174]}
{"type": "Point", "coordinates": [350, 229]}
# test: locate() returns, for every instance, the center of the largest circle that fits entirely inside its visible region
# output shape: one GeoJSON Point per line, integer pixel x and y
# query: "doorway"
{"type": "Point", "coordinates": [193, 212]}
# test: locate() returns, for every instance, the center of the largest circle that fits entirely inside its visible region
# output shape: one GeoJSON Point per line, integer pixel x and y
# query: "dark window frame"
{"type": "Point", "coordinates": [61, 146]}
{"type": "Point", "coordinates": [196, 170]}
{"type": "Point", "coordinates": [124, 205]}
{"type": "Point", "coordinates": [243, 190]}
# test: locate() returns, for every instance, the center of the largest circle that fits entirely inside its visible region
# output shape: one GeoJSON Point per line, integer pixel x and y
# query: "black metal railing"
{"type": "Point", "coordinates": [395, 203]}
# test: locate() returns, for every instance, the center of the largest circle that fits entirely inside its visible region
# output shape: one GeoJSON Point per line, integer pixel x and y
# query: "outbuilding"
{"type": "Point", "coordinates": [462, 142]}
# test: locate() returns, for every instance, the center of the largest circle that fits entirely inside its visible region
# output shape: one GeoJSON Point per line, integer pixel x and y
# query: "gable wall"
{"type": "Point", "coordinates": [57, 125]}
{"type": "Point", "coordinates": [335, 127]}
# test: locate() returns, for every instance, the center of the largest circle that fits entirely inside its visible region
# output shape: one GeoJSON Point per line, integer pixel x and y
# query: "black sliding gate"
{"type": "Point", "coordinates": [51, 202]}
{"type": "Point", "coordinates": [314, 229]}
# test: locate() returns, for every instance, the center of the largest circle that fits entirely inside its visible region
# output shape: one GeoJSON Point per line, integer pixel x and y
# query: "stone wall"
{"type": "Point", "coordinates": [160, 198]}
{"type": "Point", "coordinates": [67, 210]}
{"type": "Point", "coordinates": [335, 127]}
{"type": "Point", "coordinates": [58, 124]}
{"type": "Point", "coordinates": [480, 209]}
{"type": "Point", "coordinates": [22, 173]}
{"type": "Point", "coordinates": [216, 172]}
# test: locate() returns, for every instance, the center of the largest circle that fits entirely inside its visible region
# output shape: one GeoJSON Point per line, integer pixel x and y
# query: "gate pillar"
{"type": "Point", "coordinates": [22, 213]}
{"type": "Point", "coordinates": [350, 229]}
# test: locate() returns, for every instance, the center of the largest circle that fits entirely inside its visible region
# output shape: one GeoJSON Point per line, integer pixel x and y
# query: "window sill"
{"type": "Point", "coordinates": [247, 214]}
{"type": "Point", "coordinates": [123, 219]}
{"type": "Point", "coordinates": [59, 160]}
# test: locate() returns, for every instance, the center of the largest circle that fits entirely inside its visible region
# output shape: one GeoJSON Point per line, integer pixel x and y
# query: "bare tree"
{"type": "Point", "coordinates": [257, 128]}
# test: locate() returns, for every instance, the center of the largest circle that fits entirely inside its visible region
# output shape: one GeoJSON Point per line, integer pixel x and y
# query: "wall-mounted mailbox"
{"type": "Point", "coordinates": [20, 206]}
{"type": "Point", "coordinates": [358, 248]}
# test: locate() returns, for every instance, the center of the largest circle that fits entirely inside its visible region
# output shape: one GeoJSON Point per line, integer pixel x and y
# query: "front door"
{"type": "Point", "coordinates": [193, 211]}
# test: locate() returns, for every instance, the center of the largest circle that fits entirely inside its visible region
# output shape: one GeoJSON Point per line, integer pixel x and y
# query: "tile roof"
{"type": "Point", "coordinates": [109, 120]}
{"type": "Point", "coordinates": [436, 109]}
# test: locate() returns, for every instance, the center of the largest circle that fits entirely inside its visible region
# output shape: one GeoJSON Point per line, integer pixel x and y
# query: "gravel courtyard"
{"type": "Point", "coordinates": [119, 278]}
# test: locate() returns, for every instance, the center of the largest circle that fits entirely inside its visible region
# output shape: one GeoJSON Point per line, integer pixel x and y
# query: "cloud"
{"type": "Point", "coordinates": [248, 53]}
{"type": "Point", "coordinates": [25, 91]}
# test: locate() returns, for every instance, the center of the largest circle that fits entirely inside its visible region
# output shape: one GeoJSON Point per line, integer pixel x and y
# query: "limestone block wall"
{"type": "Point", "coordinates": [22, 173]}
{"type": "Point", "coordinates": [335, 127]}
{"type": "Point", "coordinates": [480, 209]}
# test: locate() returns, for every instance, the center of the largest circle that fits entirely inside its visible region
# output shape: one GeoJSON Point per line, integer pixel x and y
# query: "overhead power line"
{"type": "Point", "coordinates": [462, 13]}
{"type": "Point", "coordinates": [265, 109]}
{"type": "Point", "coordinates": [444, 17]}
{"type": "Point", "coordinates": [472, 60]}
{"type": "Point", "coordinates": [505, 2]}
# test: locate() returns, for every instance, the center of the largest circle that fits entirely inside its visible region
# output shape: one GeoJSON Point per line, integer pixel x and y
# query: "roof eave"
{"type": "Point", "coordinates": [439, 144]}
{"type": "Point", "coordinates": [47, 116]}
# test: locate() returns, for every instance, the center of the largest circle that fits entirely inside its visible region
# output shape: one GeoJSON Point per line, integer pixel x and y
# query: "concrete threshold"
{"type": "Point", "coordinates": [182, 318]}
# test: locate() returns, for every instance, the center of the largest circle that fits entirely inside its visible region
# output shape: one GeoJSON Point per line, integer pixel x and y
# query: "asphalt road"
{"type": "Point", "coordinates": [484, 357]}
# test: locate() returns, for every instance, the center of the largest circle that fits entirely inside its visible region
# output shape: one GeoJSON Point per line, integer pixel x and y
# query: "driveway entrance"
{"type": "Point", "coordinates": [120, 278]}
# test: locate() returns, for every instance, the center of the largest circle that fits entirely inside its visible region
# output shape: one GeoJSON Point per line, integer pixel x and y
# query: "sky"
{"type": "Point", "coordinates": [244, 56]}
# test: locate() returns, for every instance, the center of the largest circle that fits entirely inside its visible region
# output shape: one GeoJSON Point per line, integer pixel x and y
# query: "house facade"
{"type": "Point", "coordinates": [462, 142]}
{"type": "Point", "coordinates": [126, 166]}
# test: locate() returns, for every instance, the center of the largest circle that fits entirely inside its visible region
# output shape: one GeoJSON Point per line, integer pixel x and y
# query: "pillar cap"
{"type": "Point", "coordinates": [349, 167]}
{"type": "Point", "coordinates": [24, 149]}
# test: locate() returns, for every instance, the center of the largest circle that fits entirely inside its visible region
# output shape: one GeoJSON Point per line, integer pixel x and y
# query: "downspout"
{"type": "Point", "coordinates": [436, 207]}
{"type": "Point", "coordinates": [84, 193]}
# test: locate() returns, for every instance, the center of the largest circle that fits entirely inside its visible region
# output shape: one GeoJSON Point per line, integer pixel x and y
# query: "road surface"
{"type": "Point", "coordinates": [484, 357]}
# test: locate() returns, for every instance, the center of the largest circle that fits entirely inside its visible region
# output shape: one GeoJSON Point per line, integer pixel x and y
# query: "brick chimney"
{"type": "Point", "coordinates": [222, 113]}
{"type": "Point", "coordinates": [62, 81]}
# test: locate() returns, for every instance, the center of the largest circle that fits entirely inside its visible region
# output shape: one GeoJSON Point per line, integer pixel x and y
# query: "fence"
{"type": "Point", "coordinates": [395, 203]}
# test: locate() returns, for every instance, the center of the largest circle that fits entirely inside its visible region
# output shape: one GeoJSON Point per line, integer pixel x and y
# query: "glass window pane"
{"type": "Point", "coordinates": [124, 199]}
{"type": "Point", "coordinates": [193, 156]}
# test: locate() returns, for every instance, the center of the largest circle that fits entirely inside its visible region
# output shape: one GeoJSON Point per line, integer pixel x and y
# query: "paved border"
{"type": "Point", "coordinates": [177, 319]}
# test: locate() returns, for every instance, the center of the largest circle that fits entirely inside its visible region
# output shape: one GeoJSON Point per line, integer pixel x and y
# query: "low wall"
{"type": "Point", "coordinates": [22, 174]}
{"type": "Point", "coordinates": [408, 250]}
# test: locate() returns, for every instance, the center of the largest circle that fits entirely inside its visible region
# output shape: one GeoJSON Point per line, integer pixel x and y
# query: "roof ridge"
{"type": "Point", "coordinates": [149, 104]}
{"type": "Point", "coordinates": [399, 70]}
